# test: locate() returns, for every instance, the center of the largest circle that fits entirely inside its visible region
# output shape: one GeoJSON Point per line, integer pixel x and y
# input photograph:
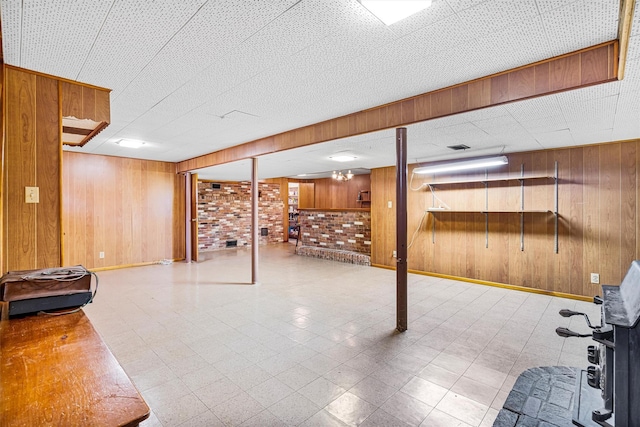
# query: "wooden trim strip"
{"type": "Point", "coordinates": [76, 131]}
{"type": "Point", "coordinates": [61, 79]}
{"type": "Point", "coordinates": [494, 284]}
{"type": "Point", "coordinates": [140, 264]}
{"type": "Point", "coordinates": [87, 138]}
{"type": "Point", "coordinates": [61, 188]}
{"type": "Point", "coordinates": [3, 107]}
{"type": "Point", "coordinates": [586, 67]}
{"type": "Point", "coordinates": [624, 33]}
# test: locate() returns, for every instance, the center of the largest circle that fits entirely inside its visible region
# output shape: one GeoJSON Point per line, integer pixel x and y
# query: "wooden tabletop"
{"type": "Point", "coordinates": [56, 370]}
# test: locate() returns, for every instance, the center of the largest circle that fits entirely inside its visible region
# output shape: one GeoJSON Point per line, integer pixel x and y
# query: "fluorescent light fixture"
{"type": "Point", "coordinates": [390, 11]}
{"type": "Point", "coordinates": [343, 157]}
{"type": "Point", "coordinates": [302, 174]}
{"type": "Point", "coordinates": [486, 162]}
{"type": "Point", "coordinates": [130, 143]}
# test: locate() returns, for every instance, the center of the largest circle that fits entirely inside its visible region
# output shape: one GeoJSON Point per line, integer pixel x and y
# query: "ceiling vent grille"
{"type": "Point", "coordinates": [458, 147]}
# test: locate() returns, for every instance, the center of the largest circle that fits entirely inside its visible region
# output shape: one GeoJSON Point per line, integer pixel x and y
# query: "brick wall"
{"type": "Point", "coordinates": [341, 230]}
{"type": "Point", "coordinates": [225, 214]}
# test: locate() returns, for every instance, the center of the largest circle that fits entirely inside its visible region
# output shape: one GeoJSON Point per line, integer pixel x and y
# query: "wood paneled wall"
{"type": "Point", "coordinates": [31, 158]}
{"type": "Point", "coordinates": [132, 210]}
{"type": "Point", "coordinates": [332, 194]}
{"type": "Point", "coordinates": [598, 223]}
{"type": "Point", "coordinates": [586, 67]}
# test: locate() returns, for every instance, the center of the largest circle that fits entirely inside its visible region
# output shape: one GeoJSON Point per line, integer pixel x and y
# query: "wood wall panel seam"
{"type": "Point", "coordinates": [483, 92]}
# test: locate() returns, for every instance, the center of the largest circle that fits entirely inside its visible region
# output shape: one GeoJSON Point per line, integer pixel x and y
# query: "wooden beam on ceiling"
{"type": "Point", "coordinates": [624, 33]}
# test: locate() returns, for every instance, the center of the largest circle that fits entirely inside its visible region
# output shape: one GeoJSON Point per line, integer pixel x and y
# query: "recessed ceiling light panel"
{"type": "Point", "coordinates": [130, 143]}
{"type": "Point", "coordinates": [343, 157]}
{"type": "Point", "coordinates": [390, 11]}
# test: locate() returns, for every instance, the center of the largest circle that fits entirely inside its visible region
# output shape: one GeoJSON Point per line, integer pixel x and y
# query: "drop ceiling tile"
{"type": "Point", "coordinates": [57, 36]}
{"type": "Point", "coordinates": [460, 5]}
{"type": "Point", "coordinates": [439, 36]}
{"type": "Point", "coordinates": [633, 53]}
{"type": "Point", "coordinates": [11, 31]}
{"type": "Point", "coordinates": [495, 123]}
{"type": "Point", "coordinates": [555, 139]}
{"type": "Point", "coordinates": [491, 16]}
{"type": "Point", "coordinates": [536, 108]}
{"type": "Point", "coordinates": [486, 113]}
{"type": "Point", "coordinates": [545, 124]}
{"type": "Point", "coordinates": [514, 45]}
{"type": "Point", "coordinates": [635, 26]}
{"type": "Point", "coordinates": [581, 24]}
{"type": "Point", "coordinates": [150, 24]}
{"type": "Point", "coordinates": [591, 137]}
{"type": "Point", "coordinates": [547, 5]}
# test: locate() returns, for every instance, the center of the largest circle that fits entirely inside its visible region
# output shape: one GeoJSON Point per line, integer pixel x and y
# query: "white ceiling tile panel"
{"type": "Point", "coordinates": [493, 123]}
{"type": "Point", "coordinates": [590, 113]}
{"type": "Point", "coordinates": [589, 137]}
{"type": "Point", "coordinates": [11, 31]}
{"type": "Point", "coordinates": [628, 103]}
{"type": "Point", "coordinates": [439, 36]}
{"type": "Point", "coordinates": [545, 124]}
{"type": "Point", "coordinates": [491, 16]}
{"type": "Point", "coordinates": [555, 139]}
{"type": "Point", "coordinates": [485, 113]}
{"type": "Point", "coordinates": [635, 26]}
{"type": "Point", "coordinates": [507, 130]}
{"type": "Point", "coordinates": [460, 5]}
{"type": "Point", "coordinates": [633, 52]}
{"type": "Point", "coordinates": [523, 43]}
{"type": "Point", "coordinates": [150, 24]}
{"type": "Point", "coordinates": [457, 128]}
{"type": "Point", "coordinates": [57, 36]}
{"type": "Point", "coordinates": [588, 96]}
{"type": "Point", "coordinates": [547, 5]}
{"type": "Point", "coordinates": [631, 81]}
{"type": "Point", "coordinates": [218, 28]}
{"type": "Point", "coordinates": [536, 108]}
{"type": "Point", "coordinates": [581, 24]}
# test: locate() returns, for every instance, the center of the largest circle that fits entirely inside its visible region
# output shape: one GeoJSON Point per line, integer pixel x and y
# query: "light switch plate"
{"type": "Point", "coordinates": [32, 194]}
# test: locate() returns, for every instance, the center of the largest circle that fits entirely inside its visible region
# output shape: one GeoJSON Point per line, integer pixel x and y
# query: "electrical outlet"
{"type": "Point", "coordinates": [595, 278]}
{"type": "Point", "coordinates": [101, 254]}
{"type": "Point", "coordinates": [395, 254]}
{"type": "Point", "coordinates": [389, 204]}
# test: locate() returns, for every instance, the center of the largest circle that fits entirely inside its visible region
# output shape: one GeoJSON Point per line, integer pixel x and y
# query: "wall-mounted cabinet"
{"type": "Point", "coordinates": [437, 204]}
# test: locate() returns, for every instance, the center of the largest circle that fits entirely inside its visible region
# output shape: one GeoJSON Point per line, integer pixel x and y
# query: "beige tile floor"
{"type": "Point", "coordinates": [314, 343]}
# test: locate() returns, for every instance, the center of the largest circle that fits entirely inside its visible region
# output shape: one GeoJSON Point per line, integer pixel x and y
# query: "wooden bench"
{"type": "Point", "coordinates": [56, 370]}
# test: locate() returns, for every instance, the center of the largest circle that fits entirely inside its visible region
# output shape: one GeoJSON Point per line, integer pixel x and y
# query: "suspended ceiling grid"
{"type": "Point", "coordinates": [193, 77]}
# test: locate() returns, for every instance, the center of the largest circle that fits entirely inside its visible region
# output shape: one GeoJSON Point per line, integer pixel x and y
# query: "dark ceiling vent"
{"type": "Point", "coordinates": [458, 147]}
